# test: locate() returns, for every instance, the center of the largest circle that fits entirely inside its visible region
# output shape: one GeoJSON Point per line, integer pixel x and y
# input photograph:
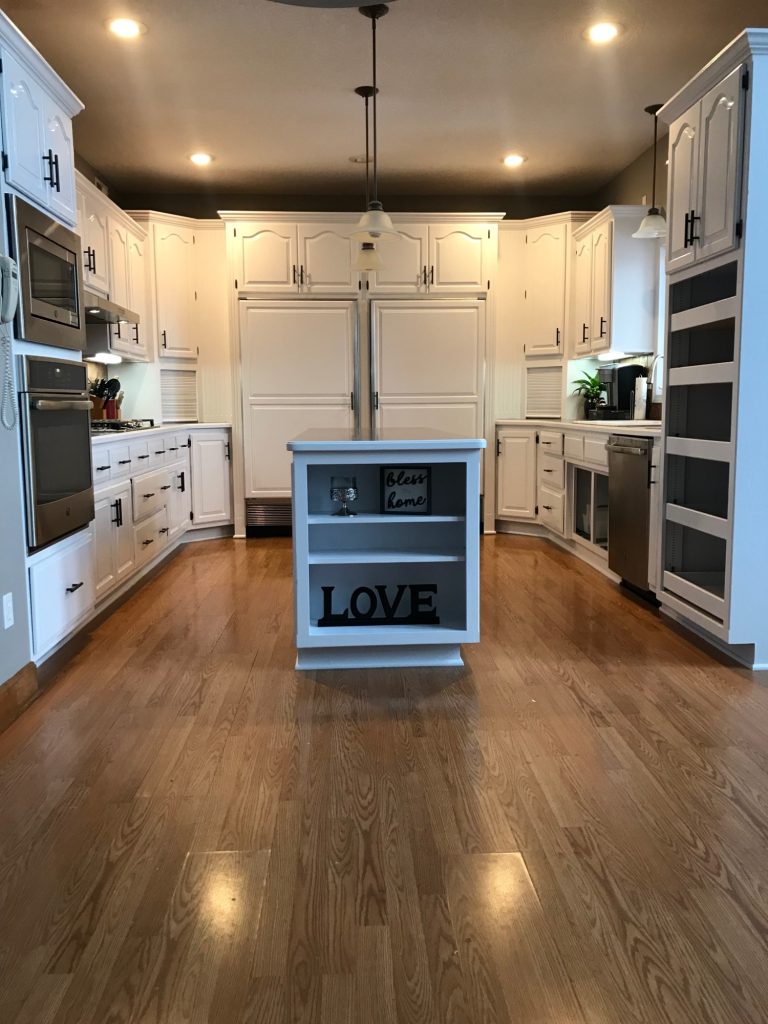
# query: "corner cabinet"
{"type": "Point", "coordinates": [705, 161]}
{"type": "Point", "coordinates": [614, 297]}
{"type": "Point", "coordinates": [92, 225]}
{"type": "Point", "coordinates": [211, 478]}
{"type": "Point", "coordinates": [38, 149]}
{"type": "Point", "coordinates": [173, 245]}
{"type": "Point", "coordinates": [516, 473]}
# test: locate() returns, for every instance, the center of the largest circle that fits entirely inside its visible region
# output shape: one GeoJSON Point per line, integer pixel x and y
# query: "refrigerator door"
{"type": "Point", "coordinates": [299, 371]}
{"type": "Point", "coordinates": [428, 364]}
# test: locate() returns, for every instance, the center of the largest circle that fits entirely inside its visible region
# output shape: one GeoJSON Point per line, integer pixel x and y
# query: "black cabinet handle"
{"type": "Point", "coordinates": [228, 451]}
{"type": "Point", "coordinates": [352, 401]}
{"type": "Point", "coordinates": [584, 334]}
{"type": "Point", "coordinates": [165, 339]}
{"type": "Point", "coordinates": [182, 481]}
{"type": "Point", "coordinates": [93, 261]}
{"type": "Point", "coordinates": [686, 240]}
{"type": "Point", "coordinates": [431, 275]}
{"type": "Point", "coordinates": [301, 276]}
{"type": "Point", "coordinates": [150, 495]}
{"type": "Point", "coordinates": [57, 183]}
{"type": "Point", "coordinates": [163, 529]}
{"type": "Point", "coordinates": [557, 337]}
{"type": "Point", "coordinates": [116, 507]}
{"type": "Point", "coordinates": [546, 442]}
{"type": "Point", "coordinates": [165, 487]}
{"type": "Point", "coordinates": [547, 507]}
{"type": "Point", "coordinates": [146, 543]}
{"type": "Point", "coordinates": [49, 177]}
{"type": "Point", "coordinates": [424, 275]}
{"type": "Point", "coordinates": [136, 333]}
{"type": "Point", "coordinates": [100, 469]}
{"type": "Point", "coordinates": [161, 452]}
{"type": "Point", "coordinates": [294, 273]}
{"type": "Point", "coordinates": [173, 449]}
{"type": "Point", "coordinates": [694, 218]}
{"type": "Point", "coordinates": [124, 462]}
{"type": "Point", "coordinates": [548, 471]}
{"type": "Point", "coordinates": [74, 587]}
{"type": "Point", "coordinates": [375, 399]}
{"type": "Point", "coordinates": [603, 325]}
{"type": "Point", "coordinates": [141, 457]}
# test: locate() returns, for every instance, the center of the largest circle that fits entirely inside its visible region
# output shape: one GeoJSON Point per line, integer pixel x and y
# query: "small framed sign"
{"type": "Point", "coordinates": [406, 490]}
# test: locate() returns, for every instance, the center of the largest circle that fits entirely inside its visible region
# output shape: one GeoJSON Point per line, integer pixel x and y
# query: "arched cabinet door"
{"type": "Point", "coordinates": [602, 265]}
{"type": "Point", "coordinates": [545, 262]}
{"type": "Point", "coordinates": [265, 257]}
{"type": "Point", "coordinates": [683, 173]}
{"type": "Point", "coordinates": [61, 199]}
{"type": "Point", "coordinates": [326, 254]}
{"type": "Point", "coordinates": [719, 166]}
{"type": "Point", "coordinates": [406, 262]}
{"type": "Point", "coordinates": [457, 258]}
{"type": "Point", "coordinates": [581, 328]}
{"type": "Point", "coordinates": [23, 103]}
{"type": "Point", "coordinates": [174, 285]}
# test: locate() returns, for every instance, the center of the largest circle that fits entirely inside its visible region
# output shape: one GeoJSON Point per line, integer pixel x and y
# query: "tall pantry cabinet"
{"type": "Point", "coordinates": [714, 568]}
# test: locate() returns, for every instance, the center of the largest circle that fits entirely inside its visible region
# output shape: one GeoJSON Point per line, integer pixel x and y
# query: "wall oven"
{"type": "Point", "coordinates": [56, 448]}
{"type": "Point", "coordinates": [50, 278]}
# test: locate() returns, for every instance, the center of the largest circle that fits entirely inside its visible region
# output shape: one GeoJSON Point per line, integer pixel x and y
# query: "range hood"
{"type": "Point", "coordinates": [102, 311]}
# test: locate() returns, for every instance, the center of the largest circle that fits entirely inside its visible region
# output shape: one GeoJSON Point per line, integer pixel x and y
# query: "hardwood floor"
{"type": "Point", "coordinates": [570, 830]}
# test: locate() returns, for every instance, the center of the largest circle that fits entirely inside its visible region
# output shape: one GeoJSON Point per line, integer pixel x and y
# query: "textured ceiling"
{"type": "Point", "coordinates": [269, 89]}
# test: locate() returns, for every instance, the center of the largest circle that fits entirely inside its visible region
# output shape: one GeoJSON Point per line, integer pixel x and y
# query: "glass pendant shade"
{"type": "Point", "coordinates": [373, 224]}
{"type": "Point", "coordinates": [368, 258]}
{"type": "Point", "coordinates": [653, 225]}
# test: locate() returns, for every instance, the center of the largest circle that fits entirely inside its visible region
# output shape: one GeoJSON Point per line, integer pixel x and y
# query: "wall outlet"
{"type": "Point", "coordinates": [7, 611]}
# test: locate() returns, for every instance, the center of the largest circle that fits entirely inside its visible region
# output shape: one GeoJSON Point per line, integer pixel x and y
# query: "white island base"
{"type": "Point", "coordinates": [398, 584]}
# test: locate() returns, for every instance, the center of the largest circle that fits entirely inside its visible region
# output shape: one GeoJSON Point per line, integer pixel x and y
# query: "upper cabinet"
{"type": "Point", "coordinates": [119, 290]}
{"type": "Point", "coordinates": [314, 258]}
{"type": "Point", "coordinates": [38, 152]}
{"type": "Point", "coordinates": [547, 262]}
{"type": "Point", "coordinates": [705, 159]}
{"type": "Point", "coordinates": [614, 296]}
{"type": "Point", "coordinates": [92, 215]}
{"type": "Point", "coordinates": [174, 289]}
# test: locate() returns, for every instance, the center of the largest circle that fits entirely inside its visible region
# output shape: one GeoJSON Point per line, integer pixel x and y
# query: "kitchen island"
{"type": "Point", "coordinates": [386, 547]}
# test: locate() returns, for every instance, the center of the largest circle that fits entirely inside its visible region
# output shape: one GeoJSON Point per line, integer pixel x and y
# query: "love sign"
{"type": "Point", "coordinates": [406, 490]}
{"type": "Point", "coordinates": [381, 605]}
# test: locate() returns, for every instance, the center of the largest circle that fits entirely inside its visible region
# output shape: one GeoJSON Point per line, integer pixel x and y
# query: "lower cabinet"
{"type": "Point", "coordinates": [211, 478]}
{"type": "Point", "coordinates": [114, 553]}
{"type": "Point", "coordinates": [61, 591]}
{"type": "Point", "coordinates": [179, 501]}
{"type": "Point", "coordinates": [516, 474]}
{"type": "Point", "coordinates": [152, 535]}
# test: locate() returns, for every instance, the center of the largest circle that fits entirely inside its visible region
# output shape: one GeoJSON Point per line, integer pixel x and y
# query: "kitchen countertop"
{"type": "Point", "coordinates": [400, 439]}
{"type": "Point", "coordinates": [122, 435]}
{"type": "Point", "coordinates": [644, 428]}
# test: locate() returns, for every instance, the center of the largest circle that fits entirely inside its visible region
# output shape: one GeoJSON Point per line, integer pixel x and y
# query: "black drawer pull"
{"type": "Point", "coordinates": [100, 469]}
{"type": "Point", "coordinates": [163, 529]}
{"type": "Point", "coordinates": [161, 452]}
{"type": "Point", "coordinates": [74, 587]}
{"type": "Point", "coordinates": [123, 462]}
{"type": "Point", "coordinates": [173, 449]}
{"type": "Point", "coordinates": [143, 456]}
{"type": "Point", "coordinates": [546, 442]}
{"type": "Point", "coordinates": [548, 508]}
{"type": "Point", "coordinates": [150, 495]}
{"type": "Point", "coordinates": [182, 482]}
{"type": "Point", "coordinates": [548, 471]}
{"type": "Point", "coordinates": [165, 487]}
{"type": "Point", "coordinates": [146, 543]}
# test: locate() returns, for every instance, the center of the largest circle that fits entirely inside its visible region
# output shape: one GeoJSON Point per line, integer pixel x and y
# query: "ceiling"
{"type": "Point", "coordinates": [268, 89]}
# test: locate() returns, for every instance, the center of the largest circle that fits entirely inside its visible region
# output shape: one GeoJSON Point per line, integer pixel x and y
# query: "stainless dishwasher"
{"type": "Point", "coordinates": [629, 507]}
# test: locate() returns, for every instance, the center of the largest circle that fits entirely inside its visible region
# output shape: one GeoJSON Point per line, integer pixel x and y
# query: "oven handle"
{"type": "Point", "coordinates": [56, 405]}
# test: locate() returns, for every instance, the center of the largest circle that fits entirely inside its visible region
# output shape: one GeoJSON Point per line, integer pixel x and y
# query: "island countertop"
{"type": "Point", "coordinates": [383, 439]}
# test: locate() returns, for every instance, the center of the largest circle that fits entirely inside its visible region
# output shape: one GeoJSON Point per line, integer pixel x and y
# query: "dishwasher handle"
{"type": "Point", "coordinates": [625, 450]}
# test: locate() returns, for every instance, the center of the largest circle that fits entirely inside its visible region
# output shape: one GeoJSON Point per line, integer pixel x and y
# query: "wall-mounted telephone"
{"type": "Point", "coordinates": [9, 299]}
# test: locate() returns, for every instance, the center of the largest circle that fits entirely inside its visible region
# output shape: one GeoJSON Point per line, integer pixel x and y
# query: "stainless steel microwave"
{"type": "Point", "coordinates": [50, 278]}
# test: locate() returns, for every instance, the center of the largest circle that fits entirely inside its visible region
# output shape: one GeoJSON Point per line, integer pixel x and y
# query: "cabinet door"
{"type": "Point", "coordinates": [106, 517]}
{"type": "Point", "coordinates": [582, 296]}
{"type": "Point", "coordinates": [457, 259]}
{"type": "Point", "coordinates": [719, 166]}
{"type": "Point", "coordinates": [516, 474]}
{"type": "Point", "coordinates": [325, 259]}
{"type": "Point", "coordinates": [180, 500]}
{"type": "Point", "coordinates": [406, 262]}
{"type": "Point", "coordinates": [118, 263]}
{"type": "Point", "coordinates": [175, 290]}
{"type": "Point", "coordinates": [61, 199]}
{"type": "Point", "coordinates": [545, 262]}
{"type": "Point", "coordinates": [137, 290]}
{"type": "Point", "coordinates": [266, 257]}
{"type": "Point", "coordinates": [681, 193]}
{"type": "Point", "coordinates": [23, 103]}
{"type": "Point", "coordinates": [601, 288]}
{"type": "Point", "coordinates": [124, 535]}
{"type": "Point", "coordinates": [92, 226]}
{"type": "Point", "coordinates": [211, 487]}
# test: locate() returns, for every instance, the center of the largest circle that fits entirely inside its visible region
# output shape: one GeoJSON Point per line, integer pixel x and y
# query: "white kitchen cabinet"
{"type": "Point", "coordinates": [61, 199]}
{"type": "Point", "coordinates": [614, 297]}
{"type": "Point", "coordinates": [93, 229]}
{"type": "Point", "coordinates": [61, 590]}
{"type": "Point", "coordinates": [114, 554]}
{"type": "Point", "coordinates": [119, 288]}
{"type": "Point", "coordinates": [24, 130]}
{"type": "Point", "coordinates": [516, 473]}
{"type": "Point", "coordinates": [265, 256]}
{"type": "Point", "coordinates": [406, 262]}
{"type": "Point", "coordinates": [174, 288]}
{"type": "Point", "coordinates": [179, 499]}
{"type": "Point", "coordinates": [326, 253]}
{"type": "Point", "coordinates": [211, 478]}
{"type": "Point", "coordinates": [141, 337]}
{"type": "Point", "coordinates": [545, 274]}
{"type": "Point", "coordinates": [705, 161]}
{"type": "Point", "coordinates": [458, 258]}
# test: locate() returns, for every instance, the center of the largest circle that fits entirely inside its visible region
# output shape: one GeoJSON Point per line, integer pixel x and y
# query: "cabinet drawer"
{"type": "Point", "coordinates": [61, 592]}
{"type": "Point", "coordinates": [151, 536]}
{"type": "Point", "coordinates": [150, 493]}
{"type": "Point", "coordinates": [157, 451]}
{"type": "Point", "coordinates": [595, 450]}
{"type": "Point", "coordinates": [552, 509]}
{"type": "Point", "coordinates": [176, 448]}
{"type": "Point", "coordinates": [551, 441]}
{"type": "Point", "coordinates": [551, 471]}
{"type": "Point", "coordinates": [139, 454]}
{"type": "Point", "coordinates": [122, 463]}
{"type": "Point", "coordinates": [573, 447]}
{"type": "Point", "coordinates": [102, 464]}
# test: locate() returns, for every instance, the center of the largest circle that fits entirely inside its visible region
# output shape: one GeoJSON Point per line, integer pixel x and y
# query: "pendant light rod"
{"type": "Point", "coordinates": [374, 12]}
{"type": "Point", "coordinates": [653, 110]}
{"type": "Point", "coordinates": [366, 91]}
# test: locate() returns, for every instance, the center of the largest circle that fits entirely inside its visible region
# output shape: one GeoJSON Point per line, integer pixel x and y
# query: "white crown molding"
{"type": "Point", "coordinates": [15, 42]}
{"type": "Point", "coordinates": [156, 217]}
{"type": "Point", "coordinates": [303, 217]}
{"type": "Point", "coordinates": [567, 217]}
{"type": "Point", "coordinates": [751, 42]}
{"type": "Point", "coordinates": [87, 187]}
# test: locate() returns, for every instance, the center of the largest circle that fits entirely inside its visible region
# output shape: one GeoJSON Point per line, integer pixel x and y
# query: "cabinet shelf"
{"type": "Point", "coordinates": [368, 557]}
{"type": "Point", "coordinates": [371, 518]}
{"type": "Point", "coordinates": [704, 373]}
{"type": "Point", "coordinates": [715, 526]}
{"type": "Point", "coordinates": [700, 316]}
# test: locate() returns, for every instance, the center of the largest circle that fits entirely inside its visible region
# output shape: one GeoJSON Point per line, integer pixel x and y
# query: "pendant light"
{"type": "Point", "coordinates": [367, 258]}
{"type": "Point", "coordinates": [327, 3]}
{"type": "Point", "coordinates": [653, 225]}
{"type": "Point", "coordinates": [375, 222]}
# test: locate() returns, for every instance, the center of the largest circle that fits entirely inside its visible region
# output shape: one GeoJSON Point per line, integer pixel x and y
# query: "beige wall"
{"type": "Point", "coordinates": [634, 182]}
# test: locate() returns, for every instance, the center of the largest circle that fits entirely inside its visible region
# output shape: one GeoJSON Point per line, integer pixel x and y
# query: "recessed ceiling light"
{"type": "Point", "coordinates": [126, 28]}
{"type": "Point", "coordinates": [602, 32]}
{"type": "Point", "coordinates": [201, 159]}
{"type": "Point", "coordinates": [514, 160]}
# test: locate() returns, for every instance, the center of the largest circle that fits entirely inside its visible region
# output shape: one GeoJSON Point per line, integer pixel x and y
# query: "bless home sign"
{"type": "Point", "coordinates": [406, 490]}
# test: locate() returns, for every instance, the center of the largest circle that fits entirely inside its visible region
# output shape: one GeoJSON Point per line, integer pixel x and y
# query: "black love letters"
{"type": "Point", "coordinates": [380, 604]}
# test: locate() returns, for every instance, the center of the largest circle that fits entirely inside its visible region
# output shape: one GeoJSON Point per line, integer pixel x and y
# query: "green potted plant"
{"type": "Point", "coordinates": [591, 388]}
